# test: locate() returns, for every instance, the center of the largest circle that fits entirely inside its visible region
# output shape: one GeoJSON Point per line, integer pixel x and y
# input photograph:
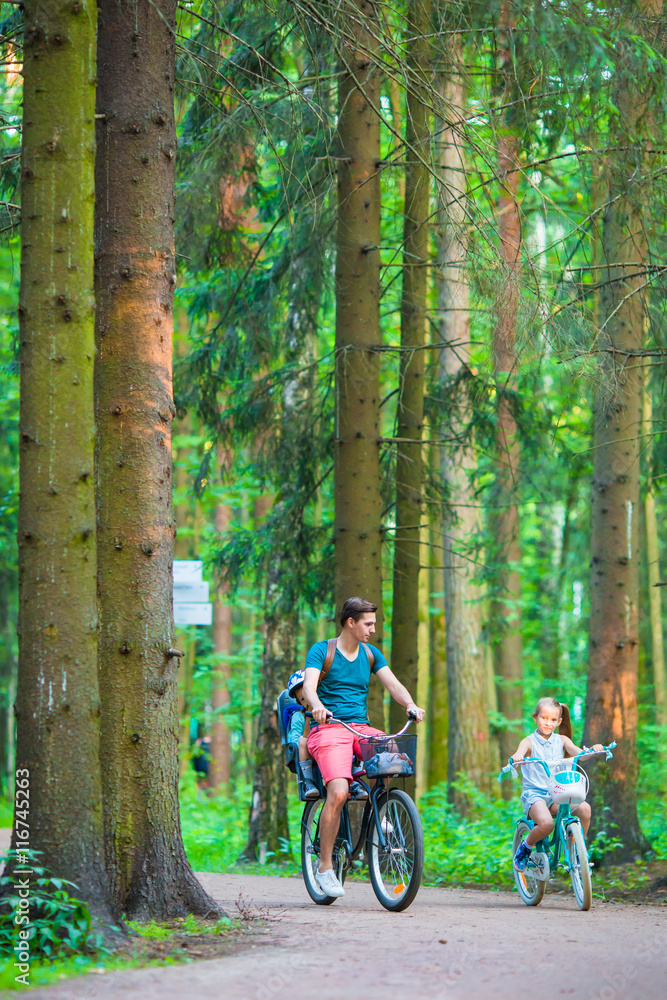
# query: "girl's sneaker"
{"type": "Point", "coordinates": [522, 856]}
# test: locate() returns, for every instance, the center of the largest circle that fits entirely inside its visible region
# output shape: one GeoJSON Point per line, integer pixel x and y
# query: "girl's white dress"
{"type": "Point", "coordinates": [534, 775]}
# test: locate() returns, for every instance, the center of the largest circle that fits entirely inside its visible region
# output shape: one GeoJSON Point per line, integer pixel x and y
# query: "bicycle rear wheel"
{"type": "Point", "coordinates": [310, 853]}
{"type": "Point", "coordinates": [396, 870]}
{"type": "Point", "coordinates": [530, 888]}
{"type": "Point", "coordinates": [580, 873]}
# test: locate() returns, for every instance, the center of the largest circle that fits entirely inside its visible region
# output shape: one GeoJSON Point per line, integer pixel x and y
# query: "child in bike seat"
{"type": "Point", "coordinates": [295, 725]}
{"type": "Point", "coordinates": [549, 746]}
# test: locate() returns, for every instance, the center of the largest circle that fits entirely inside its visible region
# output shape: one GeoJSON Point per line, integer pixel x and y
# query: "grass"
{"type": "Point", "coordinates": [154, 944]}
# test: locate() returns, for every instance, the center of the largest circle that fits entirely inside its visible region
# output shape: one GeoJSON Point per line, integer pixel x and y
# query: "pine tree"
{"type": "Point", "coordinates": [468, 745]}
{"type": "Point", "coordinates": [410, 416]}
{"type": "Point", "coordinates": [611, 701]}
{"type": "Point", "coordinates": [358, 508]}
{"type": "Point", "coordinates": [135, 278]}
{"type": "Point", "coordinates": [504, 522]}
{"type": "Point", "coordinates": [57, 708]}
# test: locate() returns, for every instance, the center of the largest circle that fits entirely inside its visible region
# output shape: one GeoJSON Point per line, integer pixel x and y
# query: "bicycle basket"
{"type": "Point", "coordinates": [568, 785]}
{"type": "Point", "coordinates": [385, 757]}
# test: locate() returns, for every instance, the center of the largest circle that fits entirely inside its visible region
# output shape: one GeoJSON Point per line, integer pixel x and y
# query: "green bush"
{"type": "Point", "coordinates": [478, 849]}
{"type": "Point", "coordinates": [59, 924]}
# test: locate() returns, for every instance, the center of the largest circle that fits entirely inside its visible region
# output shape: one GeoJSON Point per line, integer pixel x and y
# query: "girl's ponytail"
{"type": "Point", "coordinates": [565, 725]}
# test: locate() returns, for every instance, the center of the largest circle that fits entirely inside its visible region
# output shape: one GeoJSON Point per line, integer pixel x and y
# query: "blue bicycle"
{"type": "Point", "coordinates": [567, 786]}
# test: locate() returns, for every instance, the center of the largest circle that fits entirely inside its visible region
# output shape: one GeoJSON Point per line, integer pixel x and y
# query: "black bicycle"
{"type": "Point", "coordinates": [390, 832]}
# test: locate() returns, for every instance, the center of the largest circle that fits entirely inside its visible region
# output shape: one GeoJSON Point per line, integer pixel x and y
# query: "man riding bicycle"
{"type": "Point", "coordinates": [343, 693]}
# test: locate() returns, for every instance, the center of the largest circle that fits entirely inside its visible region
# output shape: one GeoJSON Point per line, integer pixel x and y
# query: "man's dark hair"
{"type": "Point", "coordinates": [355, 607]}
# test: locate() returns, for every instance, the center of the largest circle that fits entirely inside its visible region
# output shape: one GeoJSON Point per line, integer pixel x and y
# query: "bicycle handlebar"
{"type": "Point", "coordinates": [586, 752]}
{"type": "Point", "coordinates": [330, 718]}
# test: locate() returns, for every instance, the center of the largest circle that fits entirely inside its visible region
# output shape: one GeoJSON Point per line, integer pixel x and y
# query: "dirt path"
{"type": "Point", "coordinates": [451, 943]}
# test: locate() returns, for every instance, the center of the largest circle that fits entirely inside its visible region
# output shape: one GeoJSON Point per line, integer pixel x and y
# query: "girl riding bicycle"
{"type": "Point", "coordinates": [549, 746]}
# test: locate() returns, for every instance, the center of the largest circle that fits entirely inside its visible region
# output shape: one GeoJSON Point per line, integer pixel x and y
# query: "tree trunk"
{"type": "Point", "coordinates": [268, 831]}
{"type": "Point", "coordinates": [135, 277]}
{"type": "Point", "coordinates": [410, 413]}
{"type": "Point", "coordinates": [58, 703]}
{"type": "Point", "coordinates": [358, 505]}
{"type": "Point", "coordinates": [504, 521]}
{"type": "Point", "coordinates": [222, 647]}
{"type": "Point", "coordinates": [468, 739]}
{"type": "Point", "coordinates": [437, 700]}
{"type": "Point", "coordinates": [611, 703]}
{"type": "Point", "coordinates": [653, 560]}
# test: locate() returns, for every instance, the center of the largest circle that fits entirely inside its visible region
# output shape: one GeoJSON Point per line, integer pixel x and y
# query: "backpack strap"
{"type": "Point", "coordinates": [331, 652]}
{"type": "Point", "coordinates": [370, 654]}
{"type": "Point", "coordinates": [329, 658]}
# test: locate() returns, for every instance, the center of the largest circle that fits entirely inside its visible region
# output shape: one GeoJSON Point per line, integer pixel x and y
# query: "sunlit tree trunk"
{"type": "Point", "coordinates": [135, 278]}
{"type": "Point", "coordinates": [358, 506]}
{"type": "Point", "coordinates": [504, 519]}
{"type": "Point", "coordinates": [468, 740]}
{"type": "Point", "coordinates": [611, 703]}
{"type": "Point", "coordinates": [58, 704]}
{"type": "Point", "coordinates": [410, 412]}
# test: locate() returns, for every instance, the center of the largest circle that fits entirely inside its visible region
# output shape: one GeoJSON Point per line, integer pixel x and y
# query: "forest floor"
{"type": "Point", "coordinates": [462, 943]}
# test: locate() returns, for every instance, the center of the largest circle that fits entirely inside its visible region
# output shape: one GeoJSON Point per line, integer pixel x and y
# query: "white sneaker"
{"type": "Point", "coordinates": [328, 883]}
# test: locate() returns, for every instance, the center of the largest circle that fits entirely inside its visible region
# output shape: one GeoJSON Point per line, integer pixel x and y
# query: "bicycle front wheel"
{"type": "Point", "coordinates": [396, 869]}
{"type": "Point", "coordinates": [530, 888]}
{"type": "Point", "coordinates": [580, 872]}
{"type": "Point", "coordinates": [310, 854]}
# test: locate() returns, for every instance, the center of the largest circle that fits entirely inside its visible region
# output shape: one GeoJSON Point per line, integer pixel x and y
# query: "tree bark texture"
{"type": "Point", "coordinates": [58, 705]}
{"type": "Point", "coordinates": [410, 413]}
{"type": "Point", "coordinates": [611, 703]}
{"type": "Point", "coordinates": [653, 561]}
{"type": "Point", "coordinates": [268, 831]}
{"type": "Point", "coordinates": [222, 647]}
{"type": "Point", "coordinates": [468, 734]}
{"type": "Point", "coordinates": [437, 698]}
{"type": "Point", "coordinates": [135, 279]}
{"type": "Point", "coordinates": [504, 521]}
{"type": "Point", "coordinates": [358, 505]}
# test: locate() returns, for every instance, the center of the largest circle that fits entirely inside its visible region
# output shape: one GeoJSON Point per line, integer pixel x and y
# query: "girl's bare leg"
{"type": "Point", "coordinates": [583, 814]}
{"type": "Point", "coordinates": [543, 820]}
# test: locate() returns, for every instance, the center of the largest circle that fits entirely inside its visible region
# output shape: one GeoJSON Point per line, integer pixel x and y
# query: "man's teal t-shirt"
{"type": "Point", "coordinates": [344, 689]}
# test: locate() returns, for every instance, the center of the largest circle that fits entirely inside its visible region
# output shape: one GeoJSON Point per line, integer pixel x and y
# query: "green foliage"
{"type": "Point", "coordinates": [215, 830]}
{"type": "Point", "coordinates": [477, 850]}
{"type": "Point", "coordinates": [60, 925]}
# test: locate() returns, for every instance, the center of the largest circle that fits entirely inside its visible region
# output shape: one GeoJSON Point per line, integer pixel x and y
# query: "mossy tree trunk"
{"type": "Point", "coordinates": [468, 749]}
{"type": "Point", "coordinates": [220, 673]}
{"type": "Point", "coordinates": [358, 506]}
{"type": "Point", "coordinates": [410, 415]}
{"type": "Point", "coordinates": [135, 279]}
{"type": "Point", "coordinates": [268, 831]}
{"type": "Point", "coordinates": [504, 520]}
{"type": "Point", "coordinates": [58, 705]}
{"type": "Point", "coordinates": [611, 701]}
{"type": "Point", "coordinates": [653, 559]}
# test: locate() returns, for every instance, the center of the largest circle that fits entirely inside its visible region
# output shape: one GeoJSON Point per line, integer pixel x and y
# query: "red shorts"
{"type": "Point", "coordinates": [334, 746]}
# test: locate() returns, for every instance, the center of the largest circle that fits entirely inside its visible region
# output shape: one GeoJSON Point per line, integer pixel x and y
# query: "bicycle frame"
{"type": "Point", "coordinates": [563, 818]}
{"type": "Point", "coordinates": [344, 837]}
{"type": "Point", "coordinates": [552, 847]}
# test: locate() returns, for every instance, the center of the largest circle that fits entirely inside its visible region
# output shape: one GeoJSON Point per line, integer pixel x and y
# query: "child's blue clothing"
{"type": "Point", "coordinates": [533, 775]}
{"type": "Point", "coordinates": [295, 723]}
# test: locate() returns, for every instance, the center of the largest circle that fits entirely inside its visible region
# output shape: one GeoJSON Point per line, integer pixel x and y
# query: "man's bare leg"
{"type": "Point", "coordinates": [337, 793]}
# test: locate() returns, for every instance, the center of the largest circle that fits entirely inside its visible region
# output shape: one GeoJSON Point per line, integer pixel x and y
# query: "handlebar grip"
{"type": "Point", "coordinates": [412, 714]}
